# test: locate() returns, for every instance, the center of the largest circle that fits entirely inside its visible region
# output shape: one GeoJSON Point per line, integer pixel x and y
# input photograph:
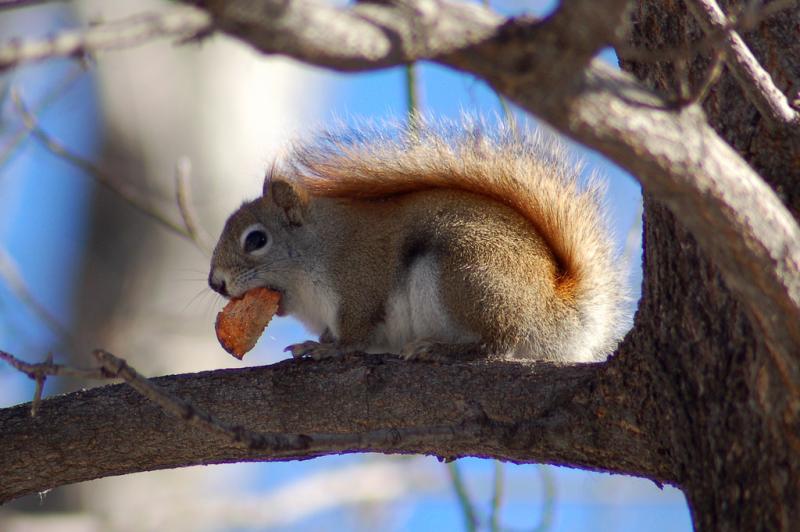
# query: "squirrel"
{"type": "Point", "coordinates": [432, 246]}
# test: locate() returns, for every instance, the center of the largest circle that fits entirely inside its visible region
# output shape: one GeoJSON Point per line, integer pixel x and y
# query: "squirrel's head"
{"type": "Point", "coordinates": [260, 241]}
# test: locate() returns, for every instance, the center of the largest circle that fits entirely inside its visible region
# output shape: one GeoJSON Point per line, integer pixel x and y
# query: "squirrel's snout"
{"type": "Point", "coordinates": [217, 284]}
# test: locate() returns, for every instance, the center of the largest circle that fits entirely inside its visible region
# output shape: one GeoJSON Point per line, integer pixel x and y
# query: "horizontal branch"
{"type": "Point", "coordinates": [510, 411]}
{"type": "Point", "coordinates": [363, 36]}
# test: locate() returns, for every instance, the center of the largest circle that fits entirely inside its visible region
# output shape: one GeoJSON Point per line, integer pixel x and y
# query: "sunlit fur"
{"type": "Point", "coordinates": [572, 308]}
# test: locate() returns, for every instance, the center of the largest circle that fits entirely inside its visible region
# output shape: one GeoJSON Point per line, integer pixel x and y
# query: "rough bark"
{"type": "Point", "coordinates": [732, 418]}
{"type": "Point", "coordinates": [571, 415]}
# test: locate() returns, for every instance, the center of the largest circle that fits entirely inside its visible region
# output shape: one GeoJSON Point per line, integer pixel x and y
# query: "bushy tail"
{"type": "Point", "coordinates": [524, 171]}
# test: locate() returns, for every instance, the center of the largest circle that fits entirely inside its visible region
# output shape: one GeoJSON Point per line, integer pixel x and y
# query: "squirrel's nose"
{"type": "Point", "coordinates": [217, 285]}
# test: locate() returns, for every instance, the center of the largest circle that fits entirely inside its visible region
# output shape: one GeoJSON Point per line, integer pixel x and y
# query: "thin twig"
{"type": "Point", "coordinates": [183, 197]}
{"type": "Point", "coordinates": [52, 96]}
{"type": "Point", "coordinates": [713, 73]}
{"type": "Point", "coordinates": [497, 497]}
{"type": "Point", "coordinates": [12, 278]}
{"type": "Point", "coordinates": [37, 392]}
{"type": "Point", "coordinates": [548, 507]}
{"type": "Point", "coordinates": [467, 507]}
{"type": "Point", "coordinates": [412, 98]}
{"type": "Point", "coordinates": [125, 33]}
{"type": "Point", "coordinates": [15, 4]}
{"type": "Point", "coordinates": [117, 186]}
{"type": "Point", "coordinates": [50, 369]}
{"type": "Point", "coordinates": [39, 372]}
{"type": "Point", "coordinates": [682, 79]}
{"type": "Point", "coordinates": [754, 80]}
{"type": "Point", "coordinates": [508, 114]}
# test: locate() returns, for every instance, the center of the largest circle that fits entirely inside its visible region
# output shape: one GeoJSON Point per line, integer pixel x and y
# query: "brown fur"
{"type": "Point", "coordinates": [545, 193]}
{"type": "Point", "coordinates": [470, 245]}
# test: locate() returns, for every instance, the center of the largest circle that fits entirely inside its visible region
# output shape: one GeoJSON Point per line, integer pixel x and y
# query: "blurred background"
{"type": "Point", "coordinates": [81, 268]}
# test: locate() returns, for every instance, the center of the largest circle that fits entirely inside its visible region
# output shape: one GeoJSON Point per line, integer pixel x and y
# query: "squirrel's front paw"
{"type": "Point", "coordinates": [314, 350]}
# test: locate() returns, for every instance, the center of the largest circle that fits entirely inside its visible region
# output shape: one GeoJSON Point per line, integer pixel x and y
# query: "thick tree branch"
{"type": "Point", "coordinates": [363, 36]}
{"type": "Point", "coordinates": [536, 413]}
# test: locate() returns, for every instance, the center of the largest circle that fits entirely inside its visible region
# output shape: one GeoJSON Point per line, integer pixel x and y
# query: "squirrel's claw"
{"type": "Point", "coordinates": [312, 349]}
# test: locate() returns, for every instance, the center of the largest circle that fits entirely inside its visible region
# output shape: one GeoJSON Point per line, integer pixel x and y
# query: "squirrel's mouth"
{"type": "Point", "coordinates": [281, 302]}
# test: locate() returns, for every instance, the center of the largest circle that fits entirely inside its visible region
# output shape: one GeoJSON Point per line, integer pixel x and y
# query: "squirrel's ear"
{"type": "Point", "coordinates": [290, 197]}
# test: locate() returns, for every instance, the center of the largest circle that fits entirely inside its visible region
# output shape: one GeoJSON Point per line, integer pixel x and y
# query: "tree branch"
{"type": "Point", "coordinates": [15, 4]}
{"type": "Point", "coordinates": [753, 79]}
{"type": "Point", "coordinates": [359, 37]}
{"type": "Point", "coordinates": [181, 23]}
{"type": "Point", "coordinates": [534, 413]}
{"type": "Point", "coordinates": [190, 229]}
{"type": "Point", "coordinates": [183, 198]}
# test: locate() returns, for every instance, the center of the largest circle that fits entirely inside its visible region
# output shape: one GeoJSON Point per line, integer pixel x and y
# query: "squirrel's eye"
{"type": "Point", "coordinates": [255, 240]}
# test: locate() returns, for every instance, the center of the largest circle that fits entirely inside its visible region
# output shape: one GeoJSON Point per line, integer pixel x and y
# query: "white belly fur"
{"type": "Point", "coordinates": [415, 312]}
{"type": "Point", "coordinates": [315, 306]}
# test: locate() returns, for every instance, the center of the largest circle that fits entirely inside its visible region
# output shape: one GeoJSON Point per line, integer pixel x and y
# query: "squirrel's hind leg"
{"type": "Point", "coordinates": [430, 350]}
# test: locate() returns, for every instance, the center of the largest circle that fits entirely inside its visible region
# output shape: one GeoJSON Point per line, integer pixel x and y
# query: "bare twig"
{"type": "Point", "coordinates": [52, 96]}
{"type": "Point", "coordinates": [37, 392]}
{"type": "Point", "coordinates": [190, 229]}
{"type": "Point", "coordinates": [549, 489]}
{"type": "Point", "coordinates": [49, 369]}
{"type": "Point", "coordinates": [124, 190]}
{"type": "Point", "coordinates": [497, 497]}
{"type": "Point", "coordinates": [753, 79]}
{"type": "Point", "coordinates": [183, 197]}
{"type": "Point", "coordinates": [132, 31]}
{"type": "Point", "coordinates": [712, 75]}
{"type": "Point", "coordinates": [464, 502]}
{"type": "Point", "coordinates": [508, 113]}
{"type": "Point", "coordinates": [412, 96]}
{"type": "Point", "coordinates": [14, 4]}
{"type": "Point", "coordinates": [10, 275]}
{"type": "Point", "coordinates": [40, 371]}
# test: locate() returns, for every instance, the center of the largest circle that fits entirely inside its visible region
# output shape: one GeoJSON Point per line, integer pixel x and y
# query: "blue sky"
{"type": "Point", "coordinates": [42, 203]}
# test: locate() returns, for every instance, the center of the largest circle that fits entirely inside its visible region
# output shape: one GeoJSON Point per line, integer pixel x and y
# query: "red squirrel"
{"type": "Point", "coordinates": [431, 247]}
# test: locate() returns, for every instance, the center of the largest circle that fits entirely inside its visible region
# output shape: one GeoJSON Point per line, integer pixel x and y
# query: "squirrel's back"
{"type": "Point", "coordinates": [527, 174]}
